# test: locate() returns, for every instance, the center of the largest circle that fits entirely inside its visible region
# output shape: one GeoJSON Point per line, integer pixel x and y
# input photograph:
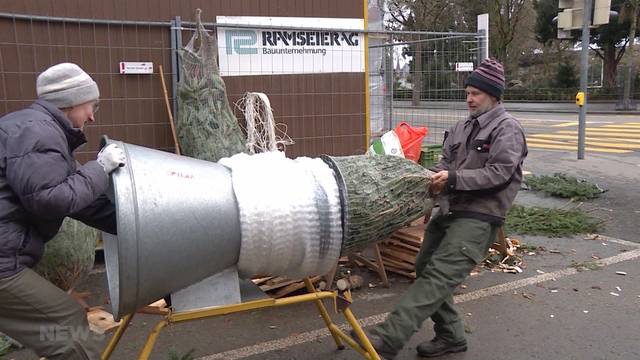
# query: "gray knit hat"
{"type": "Point", "coordinates": [66, 85]}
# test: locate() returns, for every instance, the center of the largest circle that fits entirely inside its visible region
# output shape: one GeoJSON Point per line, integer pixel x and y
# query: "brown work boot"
{"type": "Point", "coordinates": [439, 346]}
{"type": "Point", "coordinates": [385, 351]}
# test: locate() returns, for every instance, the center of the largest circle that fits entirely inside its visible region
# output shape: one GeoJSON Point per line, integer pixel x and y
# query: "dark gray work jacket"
{"type": "Point", "coordinates": [484, 164]}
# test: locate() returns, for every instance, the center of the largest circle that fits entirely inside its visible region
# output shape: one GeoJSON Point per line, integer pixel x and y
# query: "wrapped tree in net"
{"type": "Point", "coordinates": [69, 256]}
{"type": "Point", "coordinates": [381, 194]}
{"type": "Point", "coordinates": [206, 126]}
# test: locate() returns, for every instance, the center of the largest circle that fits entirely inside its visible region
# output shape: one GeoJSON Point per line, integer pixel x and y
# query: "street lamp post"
{"type": "Point", "coordinates": [584, 66]}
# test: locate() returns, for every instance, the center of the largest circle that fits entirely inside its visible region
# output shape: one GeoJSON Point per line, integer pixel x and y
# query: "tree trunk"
{"type": "Point", "coordinates": [417, 75]}
{"type": "Point", "coordinates": [610, 67]}
{"type": "Point", "coordinates": [503, 54]}
{"type": "Point", "coordinates": [546, 70]}
{"type": "Point", "coordinates": [632, 35]}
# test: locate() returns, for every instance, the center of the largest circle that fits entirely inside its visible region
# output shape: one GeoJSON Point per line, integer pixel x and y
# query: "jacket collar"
{"type": "Point", "coordinates": [75, 137]}
{"type": "Point", "coordinates": [486, 118]}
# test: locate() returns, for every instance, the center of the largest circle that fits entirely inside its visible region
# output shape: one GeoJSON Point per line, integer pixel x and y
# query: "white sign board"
{"type": "Point", "coordinates": [127, 67]}
{"type": "Point", "coordinates": [464, 66]}
{"type": "Point", "coordinates": [290, 51]}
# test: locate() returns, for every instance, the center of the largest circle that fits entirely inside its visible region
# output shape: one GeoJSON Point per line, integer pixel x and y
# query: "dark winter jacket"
{"type": "Point", "coordinates": [41, 184]}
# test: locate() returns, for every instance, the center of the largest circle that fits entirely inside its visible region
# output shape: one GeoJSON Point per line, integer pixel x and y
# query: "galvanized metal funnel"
{"type": "Point", "coordinates": [178, 224]}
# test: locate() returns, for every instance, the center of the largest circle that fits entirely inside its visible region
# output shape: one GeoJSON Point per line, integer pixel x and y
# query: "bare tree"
{"type": "Point", "coordinates": [419, 15]}
{"type": "Point", "coordinates": [506, 17]}
{"type": "Point", "coordinates": [629, 12]}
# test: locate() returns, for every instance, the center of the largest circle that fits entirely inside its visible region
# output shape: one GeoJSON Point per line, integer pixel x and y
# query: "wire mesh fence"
{"type": "Point", "coordinates": [131, 106]}
{"type": "Point", "coordinates": [424, 78]}
{"type": "Point", "coordinates": [314, 75]}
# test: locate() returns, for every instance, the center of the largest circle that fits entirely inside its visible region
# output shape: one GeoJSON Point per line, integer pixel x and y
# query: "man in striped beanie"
{"type": "Point", "coordinates": [475, 182]}
{"type": "Point", "coordinates": [489, 79]}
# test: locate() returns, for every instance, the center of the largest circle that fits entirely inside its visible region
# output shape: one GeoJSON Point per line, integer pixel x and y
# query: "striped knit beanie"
{"type": "Point", "coordinates": [488, 77]}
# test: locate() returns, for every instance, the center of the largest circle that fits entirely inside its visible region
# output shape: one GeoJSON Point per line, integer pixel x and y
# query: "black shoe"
{"type": "Point", "coordinates": [385, 351]}
{"type": "Point", "coordinates": [439, 347]}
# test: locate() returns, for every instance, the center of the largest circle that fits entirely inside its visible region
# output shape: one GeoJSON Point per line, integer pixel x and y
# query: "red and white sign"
{"type": "Point", "coordinates": [127, 67]}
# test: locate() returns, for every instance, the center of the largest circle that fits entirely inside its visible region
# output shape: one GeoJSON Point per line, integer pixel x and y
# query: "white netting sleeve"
{"type": "Point", "coordinates": [289, 214]}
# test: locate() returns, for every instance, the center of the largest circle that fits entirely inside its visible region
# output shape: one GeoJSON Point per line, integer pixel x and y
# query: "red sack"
{"type": "Point", "coordinates": [411, 139]}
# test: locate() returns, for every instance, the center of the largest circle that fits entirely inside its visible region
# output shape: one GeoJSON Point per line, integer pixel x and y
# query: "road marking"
{"type": "Point", "coordinates": [609, 144]}
{"type": "Point", "coordinates": [589, 141]}
{"type": "Point", "coordinates": [628, 126]}
{"type": "Point", "coordinates": [575, 137]}
{"type": "Point", "coordinates": [575, 123]}
{"type": "Point", "coordinates": [543, 144]}
{"type": "Point", "coordinates": [617, 241]}
{"type": "Point", "coordinates": [595, 132]}
{"type": "Point", "coordinates": [314, 335]}
{"type": "Point", "coordinates": [567, 124]}
{"type": "Point", "coordinates": [609, 130]}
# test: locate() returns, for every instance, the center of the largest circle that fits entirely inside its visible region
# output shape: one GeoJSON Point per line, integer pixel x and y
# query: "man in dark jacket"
{"type": "Point", "coordinates": [40, 185]}
{"type": "Point", "coordinates": [478, 178]}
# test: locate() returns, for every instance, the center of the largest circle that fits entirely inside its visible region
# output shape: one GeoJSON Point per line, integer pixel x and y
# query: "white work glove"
{"type": "Point", "coordinates": [111, 157]}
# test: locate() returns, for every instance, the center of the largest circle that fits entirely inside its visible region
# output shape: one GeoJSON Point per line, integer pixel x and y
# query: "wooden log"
{"type": "Point", "coordinates": [295, 286]}
{"type": "Point", "coordinates": [152, 310]}
{"type": "Point", "coordinates": [403, 250]}
{"type": "Point", "coordinates": [398, 264]}
{"type": "Point", "coordinates": [101, 321]}
{"type": "Point", "coordinates": [364, 261]}
{"type": "Point", "coordinates": [415, 232]}
{"type": "Point", "coordinates": [400, 255]}
{"type": "Point", "coordinates": [267, 288]}
{"type": "Point", "coordinates": [411, 275]}
{"type": "Point", "coordinates": [381, 271]}
{"type": "Point", "coordinates": [393, 258]}
{"type": "Point", "coordinates": [261, 280]}
{"type": "Point", "coordinates": [407, 240]}
{"type": "Point", "coordinates": [403, 245]}
{"type": "Point", "coordinates": [157, 308]}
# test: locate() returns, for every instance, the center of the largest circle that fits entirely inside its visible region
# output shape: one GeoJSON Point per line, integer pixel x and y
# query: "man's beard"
{"type": "Point", "coordinates": [480, 110]}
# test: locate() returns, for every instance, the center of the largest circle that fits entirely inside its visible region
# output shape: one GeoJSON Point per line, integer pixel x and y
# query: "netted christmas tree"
{"type": "Point", "coordinates": [69, 256]}
{"type": "Point", "coordinates": [206, 126]}
{"type": "Point", "coordinates": [381, 194]}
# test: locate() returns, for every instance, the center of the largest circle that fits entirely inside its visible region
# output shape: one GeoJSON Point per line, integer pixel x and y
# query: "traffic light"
{"type": "Point", "coordinates": [601, 12]}
{"type": "Point", "coordinates": [572, 15]}
{"type": "Point", "coordinates": [570, 18]}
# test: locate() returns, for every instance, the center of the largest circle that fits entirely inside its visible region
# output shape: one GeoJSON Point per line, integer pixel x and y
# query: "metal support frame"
{"type": "Point", "coordinates": [367, 91]}
{"type": "Point", "coordinates": [176, 44]}
{"type": "Point", "coordinates": [341, 301]}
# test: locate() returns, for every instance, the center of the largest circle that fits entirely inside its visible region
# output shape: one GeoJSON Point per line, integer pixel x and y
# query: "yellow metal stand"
{"type": "Point", "coordinates": [341, 301]}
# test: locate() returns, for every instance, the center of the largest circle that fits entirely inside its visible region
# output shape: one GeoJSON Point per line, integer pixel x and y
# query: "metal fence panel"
{"type": "Point", "coordinates": [440, 76]}
{"type": "Point", "coordinates": [131, 106]}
